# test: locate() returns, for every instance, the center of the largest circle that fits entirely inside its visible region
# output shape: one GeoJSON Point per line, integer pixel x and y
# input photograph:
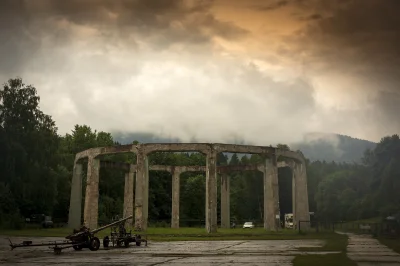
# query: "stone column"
{"type": "Point", "coordinates": [271, 194]}
{"type": "Point", "coordinates": [293, 196]}
{"type": "Point", "coordinates": [211, 192]}
{"type": "Point", "coordinates": [128, 197]}
{"type": "Point", "coordinates": [139, 190]}
{"type": "Point", "coordinates": [225, 203]}
{"type": "Point", "coordinates": [146, 194]}
{"type": "Point", "coordinates": [175, 198]}
{"type": "Point", "coordinates": [91, 212]}
{"type": "Point", "coordinates": [301, 194]}
{"type": "Point", "coordinates": [75, 203]}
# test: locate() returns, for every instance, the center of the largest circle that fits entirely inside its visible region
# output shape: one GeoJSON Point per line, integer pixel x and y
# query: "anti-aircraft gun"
{"type": "Point", "coordinates": [82, 238]}
{"type": "Point", "coordinates": [119, 237]}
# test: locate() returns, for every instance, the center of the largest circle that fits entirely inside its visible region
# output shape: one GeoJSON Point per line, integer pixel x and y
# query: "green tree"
{"type": "Point", "coordinates": [30, 142]}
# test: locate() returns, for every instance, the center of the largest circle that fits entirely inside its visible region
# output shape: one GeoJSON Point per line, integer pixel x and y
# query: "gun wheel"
{"type": "Point", "coordinates": [94, 244]}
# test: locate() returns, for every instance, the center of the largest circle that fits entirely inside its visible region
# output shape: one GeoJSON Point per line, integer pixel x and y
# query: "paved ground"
{"type": "Point", "coordinates": [367, 251]}
{"type": "Point", "coordinates": [252, 252]}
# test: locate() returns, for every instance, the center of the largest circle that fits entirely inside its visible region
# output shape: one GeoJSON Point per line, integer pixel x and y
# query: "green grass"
{"type": "Point", "coordinates": [391, 243]}
{"type": "Point", "coordinates": [169, 234]}
{"type": "Point", "coordinates": [340, 259]}
{"type": "Point", "coordinates": [334, 242]}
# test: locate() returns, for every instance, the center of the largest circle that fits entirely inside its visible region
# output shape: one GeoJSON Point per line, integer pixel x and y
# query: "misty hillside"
{"type": "Point", "coordinates": [315, 146]}
{"type": "Point", "coordinates": [333, 147]}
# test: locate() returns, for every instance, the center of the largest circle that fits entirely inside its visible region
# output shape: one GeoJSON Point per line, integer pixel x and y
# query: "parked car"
{"type": "Point", "coordinates": [40, 220]}
{"type": "Point", "coordinates": [248, 225]}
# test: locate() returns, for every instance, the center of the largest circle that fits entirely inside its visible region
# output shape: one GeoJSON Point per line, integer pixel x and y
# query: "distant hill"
{"type": "Point", "coordinates": [333, 147]}
{"type": "Point", "coordinates": [315, 146]}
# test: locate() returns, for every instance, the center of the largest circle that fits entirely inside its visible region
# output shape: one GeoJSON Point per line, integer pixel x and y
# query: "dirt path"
{"type": "Point", "coordinates": [367, 251]}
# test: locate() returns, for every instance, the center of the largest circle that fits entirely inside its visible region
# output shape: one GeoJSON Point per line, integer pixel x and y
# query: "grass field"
{"type": "Point", "coordinates": [340, 259]}
{"type": "Point", "coordinates": [334, 242]}
{"type": "Point", "coordinates": [169, 234]}
{"type": "Point", "coordinates": [391, 243]}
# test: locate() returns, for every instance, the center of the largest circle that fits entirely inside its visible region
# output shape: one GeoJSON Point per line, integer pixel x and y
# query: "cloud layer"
{"type": "Point", "coordinates": [264, 71]}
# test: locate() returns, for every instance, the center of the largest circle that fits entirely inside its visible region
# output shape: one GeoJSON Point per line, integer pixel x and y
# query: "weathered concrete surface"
{"type": "Point", "coordinates": [211, 192]}
{"type": "Point", "coordinates": [74, 217]}
{"type": "Point", "coordinates": [129, 197]}
{"type": "Point", "coordinates": [146, 193]}
{"type": "Point", "coordinates": [91, 211]}
{"type": "Point", "coordinates": [210, 150]}
{"type": "Point", "coordinates": [175, 199]}
{"type": "Point", "coordinates": [367, 251]}
{"type": "Point", "coordinates": [225, 201]}
{"type": "Point", "coordinates": [301, 195]}
{"type": "Point", "coordinates": [139, 191]}
{"type": "Point", "coordinates": [270, 253]}
{"type": "Point", "coordinates": [271, 197]}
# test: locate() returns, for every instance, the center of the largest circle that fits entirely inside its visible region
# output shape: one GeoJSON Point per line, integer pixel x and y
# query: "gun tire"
{"type": "Point", "coordinates": [94, 244]}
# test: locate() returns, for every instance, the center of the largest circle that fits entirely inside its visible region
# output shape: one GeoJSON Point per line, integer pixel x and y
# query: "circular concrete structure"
{"type": "Point", "coordinates": [295, 160]}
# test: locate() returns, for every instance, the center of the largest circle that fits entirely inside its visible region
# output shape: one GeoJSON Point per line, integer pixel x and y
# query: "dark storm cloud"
{"type": "Point", "coordinates": [24, 24]}
{"type": "Point", "coordinates": [363, 37]}
{"type": "Point", "coordinates": [359, 39]}
{"type": "Point", "coordinates": [312, 17]}
{"type": "Point", "coordinates": [269, 5]}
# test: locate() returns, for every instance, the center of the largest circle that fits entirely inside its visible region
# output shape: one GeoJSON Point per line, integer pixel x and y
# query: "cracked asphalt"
{"type": "Point", "coordinates": [251, 252]}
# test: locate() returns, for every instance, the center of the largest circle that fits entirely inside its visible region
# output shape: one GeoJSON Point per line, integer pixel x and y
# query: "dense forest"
{"type": "Point", "coordinates": [36, 164]}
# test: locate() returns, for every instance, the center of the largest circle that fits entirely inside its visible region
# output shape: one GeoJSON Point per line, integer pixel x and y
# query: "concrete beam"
{"type": "Point", "coordinates": [233, 148]}
{"type": "Point", "coordinates": [91, 211]}
{"type": "Point", "coordinates": [75, 203]}
{"type": "Point", "coordinates": [204, 148]}
{"type": "Point", "coordinates": [176, 147]}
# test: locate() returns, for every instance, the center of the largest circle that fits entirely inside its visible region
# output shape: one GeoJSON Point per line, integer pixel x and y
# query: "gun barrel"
{"type": "Point", "coordinates": [111, 224]}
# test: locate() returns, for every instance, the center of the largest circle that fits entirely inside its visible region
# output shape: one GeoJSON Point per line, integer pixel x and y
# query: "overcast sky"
{"type": "Point", "coordinates": [267, 71]}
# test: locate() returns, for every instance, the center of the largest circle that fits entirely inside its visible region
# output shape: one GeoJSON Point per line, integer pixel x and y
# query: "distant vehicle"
{"type": "Point", "coordinates": [248, 225]}
{"type": "Point", "coordinates": [41, 219]}
{"type": "Point", "coordinates": [289, 220]}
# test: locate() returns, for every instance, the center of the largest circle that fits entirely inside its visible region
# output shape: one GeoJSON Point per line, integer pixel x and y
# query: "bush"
{"type": "Point", "coordinates": [162, 224]}
{"type": "Point", "coordinates": [12, 221]}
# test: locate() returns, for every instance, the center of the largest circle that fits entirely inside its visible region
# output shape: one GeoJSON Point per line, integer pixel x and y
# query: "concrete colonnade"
{"type": "Point", "coordinates": [139, 199]}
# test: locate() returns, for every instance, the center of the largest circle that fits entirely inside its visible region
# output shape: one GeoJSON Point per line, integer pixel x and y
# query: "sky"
{"type": "Point", "coordinates": [266, 71]}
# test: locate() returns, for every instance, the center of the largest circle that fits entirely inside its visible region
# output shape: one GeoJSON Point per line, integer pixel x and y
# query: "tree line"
{"type": "Point", "coordinates": [36, 170]}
